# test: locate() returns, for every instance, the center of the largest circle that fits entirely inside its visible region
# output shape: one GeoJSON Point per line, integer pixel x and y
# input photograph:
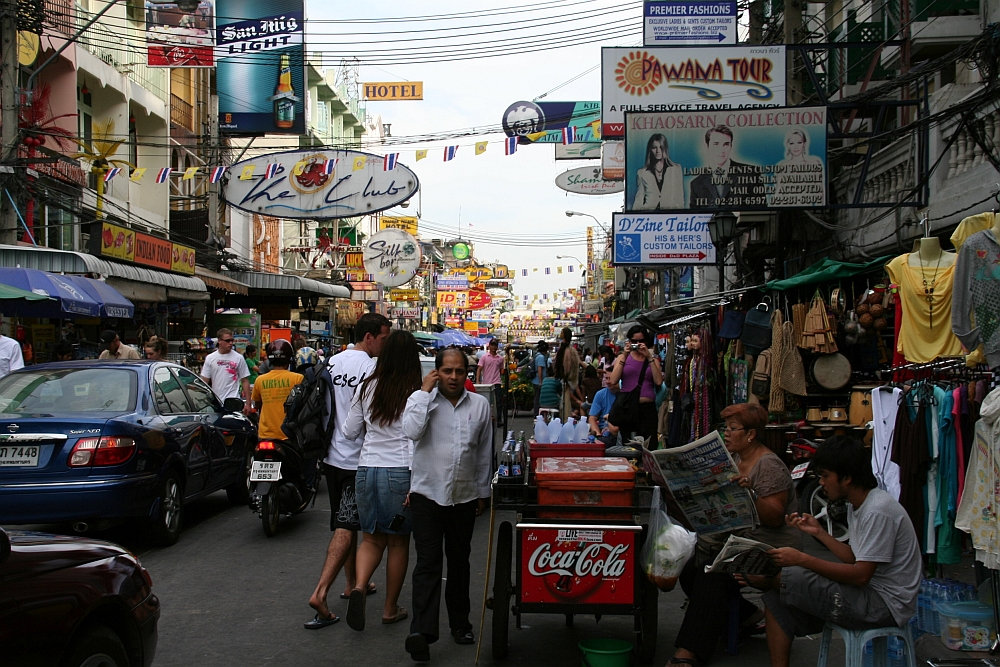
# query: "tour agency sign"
{"type": "Point", "coordinates": [662, 238]}
{"type": "Point", "coordinates": [317, 184]}
{"type": "Point", "coordinates": [735, 159]}
{"type": "Point", "coordinates": [688, 79]}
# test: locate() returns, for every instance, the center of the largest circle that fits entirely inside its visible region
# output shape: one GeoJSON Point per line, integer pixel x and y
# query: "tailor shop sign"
{"type": "Point", "coordinates": [317, 184]}
{"type": "Point", "coordinates": [129, 245]}
{"type": "Point", "coordinates": [662, 238]}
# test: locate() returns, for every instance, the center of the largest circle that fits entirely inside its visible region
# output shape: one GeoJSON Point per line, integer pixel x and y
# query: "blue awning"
{"type": "Point", "coordinates": [70, 298]}
{"type": "Point", "coordinates": [113, 304]}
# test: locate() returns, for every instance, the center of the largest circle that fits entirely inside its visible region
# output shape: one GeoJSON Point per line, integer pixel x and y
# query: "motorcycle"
{"type": "Point", "coordinates": [281, 481]}
{"type": "Point", "coordinates": [832, 514]}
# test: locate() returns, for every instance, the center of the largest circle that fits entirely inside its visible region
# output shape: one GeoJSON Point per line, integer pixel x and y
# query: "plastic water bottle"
{"type": "Point", "coordinates": [555, 429]}
{"type": "Point", "coordinates": [582, 429]}
{"type": "Point", "coordinates": [868, 655]}
{"type": "Point", "coordinates": [541, 431]}
{"type": "Point", "coordinates": [503, 471]}
{"type": "Point", "coordinates": [923, 623]}
{"type": "Point", "coordinates": [515, 466]}
{"type": "Point", "coordinates": [567, 434]}
{"type": "Point", "coordinates": [897, 650]}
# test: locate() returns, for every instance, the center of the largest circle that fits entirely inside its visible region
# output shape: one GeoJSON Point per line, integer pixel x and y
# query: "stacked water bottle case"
{"type": "Point", "coordinates": [950, 610]}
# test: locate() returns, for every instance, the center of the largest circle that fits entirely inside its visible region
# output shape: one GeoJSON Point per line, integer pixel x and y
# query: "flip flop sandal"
{"type": "Point", "coordinates": [399, 616]}
{"type": "Point", "coordinates": [372, 590]}
{"type": "Point", "coordinates": [320, 622]}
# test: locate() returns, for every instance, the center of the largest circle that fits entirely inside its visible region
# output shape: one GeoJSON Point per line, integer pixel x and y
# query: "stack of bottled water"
{"type": "Point", "coordinates": [557, 432]}
{"type": "Point", "coordinates": [933, 591]}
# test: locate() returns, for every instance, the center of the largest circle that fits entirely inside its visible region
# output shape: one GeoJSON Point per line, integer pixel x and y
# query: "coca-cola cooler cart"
{"type": "Point", "coordinates": [574, 546]}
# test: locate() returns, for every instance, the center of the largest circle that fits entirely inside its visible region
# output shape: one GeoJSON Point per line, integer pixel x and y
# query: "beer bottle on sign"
{"type": "Point", "coordinates": [284, 95]}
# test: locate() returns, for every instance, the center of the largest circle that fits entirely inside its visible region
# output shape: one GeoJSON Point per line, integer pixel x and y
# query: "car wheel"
{"type": "Point", "coordinates": [97, 646]}
{"type": "Point", "coordinates": [238, 492]}
{"type": "Point", "coordinates": [166, 528]}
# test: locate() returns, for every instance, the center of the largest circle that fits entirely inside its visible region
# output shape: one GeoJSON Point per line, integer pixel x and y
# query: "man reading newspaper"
{"type": "Point", "coordinates": [876, 580]}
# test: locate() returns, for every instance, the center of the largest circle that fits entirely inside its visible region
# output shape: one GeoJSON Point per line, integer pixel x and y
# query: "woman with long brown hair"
{"type": "Point", "coordinates": [383, 478]}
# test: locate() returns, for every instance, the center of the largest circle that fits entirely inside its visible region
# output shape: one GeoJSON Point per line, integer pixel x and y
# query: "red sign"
{"type": "Point", "coordinates": [152, 251]}
{"type": "Point", "coordinates": [578, 565]}
{"type": "Point", "coordinates": [478, 299]}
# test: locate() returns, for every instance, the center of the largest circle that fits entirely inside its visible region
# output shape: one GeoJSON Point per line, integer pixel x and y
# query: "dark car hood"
{"type": "Point", "coordinates": [34, 553]}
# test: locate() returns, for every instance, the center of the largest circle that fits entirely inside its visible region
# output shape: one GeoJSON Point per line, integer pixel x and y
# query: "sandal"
{"type": "Point", "coordinates": [395, 618]}
{"type": "Point", "coordinates": [319, 621]}
{"type": "Point", "coordinates": [372, 590]}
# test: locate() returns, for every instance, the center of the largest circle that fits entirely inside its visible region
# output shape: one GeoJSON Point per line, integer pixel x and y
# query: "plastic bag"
{"type": "Point", "coordinates": [668, 546]}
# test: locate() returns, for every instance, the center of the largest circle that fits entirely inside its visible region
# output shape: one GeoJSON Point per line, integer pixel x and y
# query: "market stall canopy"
{"type": "Point", "coordinates": [826, 270]}
{"type": "Point", "coordinates": [7, 292]}
{"type": "Point", "coordinates": [455, 337]}
{"type": "Point", "coordinates": [425, 338]}
{"type": "Point", "coordinates": [113, 304]}
{"type": "Point", "coordinates": [69, 299]}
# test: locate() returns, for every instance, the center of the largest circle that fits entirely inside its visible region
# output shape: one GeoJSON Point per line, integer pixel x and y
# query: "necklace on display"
{"type": "Point", "coordinates": [929, 291]}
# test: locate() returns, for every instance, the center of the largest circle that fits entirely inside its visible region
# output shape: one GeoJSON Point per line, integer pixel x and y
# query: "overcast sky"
{"type": "Point", "coordinates": [509, 206]}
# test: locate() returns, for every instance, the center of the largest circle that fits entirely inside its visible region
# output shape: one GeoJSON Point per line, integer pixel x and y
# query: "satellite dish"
{"type": "Point", "coordinates": [392, 257]}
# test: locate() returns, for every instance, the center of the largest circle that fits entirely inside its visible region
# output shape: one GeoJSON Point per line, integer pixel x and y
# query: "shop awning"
{"type": "Point", "coordinates": [112, 303]}
{"type": "Point", "coordinates": [67, 261]}
{"type": "Point", "coordinates": [283, 282]}
{"type": "Point", "coordinates": [220, 281]}
{"type": "Point", "coordinates": [826, 270]}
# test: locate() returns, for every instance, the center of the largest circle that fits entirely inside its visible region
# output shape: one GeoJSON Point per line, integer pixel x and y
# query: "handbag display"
{"type": "Point", "coordinates": [756, 334]}
{"type": "Point", "coordinates": [625, 410]}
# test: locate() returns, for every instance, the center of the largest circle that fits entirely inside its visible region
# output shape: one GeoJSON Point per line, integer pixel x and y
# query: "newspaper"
{"type": "Point", "coordinates": [740, 555]}
{"type": "Point", "coordinates": [700, 478]}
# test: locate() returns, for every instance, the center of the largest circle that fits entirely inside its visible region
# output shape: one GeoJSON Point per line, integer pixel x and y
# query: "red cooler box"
{"type": "Point", "coordinates": [582, 482]}
{"type": "Point", "coordinates": [539, 452]}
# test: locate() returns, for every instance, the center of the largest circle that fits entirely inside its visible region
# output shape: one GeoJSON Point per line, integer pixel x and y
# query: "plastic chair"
{"type": "Point", "coordinates": [855, 640]}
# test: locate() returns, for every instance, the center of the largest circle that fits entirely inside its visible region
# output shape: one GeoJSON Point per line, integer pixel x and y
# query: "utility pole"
{"type": "Point", "coordinates": [8, 114]}
{"type": "Point", "coordinates": [793, 28]}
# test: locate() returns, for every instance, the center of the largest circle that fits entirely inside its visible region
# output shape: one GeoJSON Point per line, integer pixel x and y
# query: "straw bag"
{"type": "Point", "coordinates": [793, 372]}
{"type": "Point", "coordinates": [760, 383]}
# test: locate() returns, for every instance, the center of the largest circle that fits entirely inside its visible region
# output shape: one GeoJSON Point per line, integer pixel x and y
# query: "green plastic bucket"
{"type": "Point", "coordinates": [606, 652]}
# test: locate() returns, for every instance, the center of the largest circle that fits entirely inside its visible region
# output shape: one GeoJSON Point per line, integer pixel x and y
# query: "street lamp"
{"type": "Point", "coordinates": [570, 214]}
{"type": "Point", "coordinates": [722, 229]}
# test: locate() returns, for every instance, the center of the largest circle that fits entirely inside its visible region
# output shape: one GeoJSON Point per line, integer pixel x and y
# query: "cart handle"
{"type": "Point", "coordinates": [577, 526]}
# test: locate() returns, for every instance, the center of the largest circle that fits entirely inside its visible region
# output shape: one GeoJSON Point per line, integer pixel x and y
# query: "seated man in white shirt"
{"type": "Point", "coordinates": [449, 487]}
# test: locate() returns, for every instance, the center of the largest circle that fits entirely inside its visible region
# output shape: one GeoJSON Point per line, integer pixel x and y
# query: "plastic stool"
{"type": "Point", "coordinates": [855, 640]}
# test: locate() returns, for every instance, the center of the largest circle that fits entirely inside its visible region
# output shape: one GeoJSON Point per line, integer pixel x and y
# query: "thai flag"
{"type": "Point", "coordinates": [114, 171]}
{"type": "Point", "coordinates": [510, 146]}
{"type": "Point", "coordinates": [389, 161]}
{"type": "Point", "coordinates": [270, 170]}
{"type": "Point", "coordinates": [548, 271]}
{"type": "Point", "coordinates": [449, 152]}
{"type": "Point", "coordinates": [216, 174]}
{"type": "Point", "coordinates": [524, 272]}
{"type": "Point", "coordinates": [329, 166]}
{"type": "Point", "coordinates": [569, 134]}
{"type": "Point", "coordinates": [163, 175]}
{"type": "Point", "coordinates": [569, 268]}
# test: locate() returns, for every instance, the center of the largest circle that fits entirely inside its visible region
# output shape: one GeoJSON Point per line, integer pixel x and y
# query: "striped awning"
{"type": "Point", "coordinates": [220, 281]}
{"type": "Point", "coordinates": [283, 282]}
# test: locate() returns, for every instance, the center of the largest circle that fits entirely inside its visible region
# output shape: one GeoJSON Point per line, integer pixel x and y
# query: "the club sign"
{"type": "Point", "coordinates": [318, 184]}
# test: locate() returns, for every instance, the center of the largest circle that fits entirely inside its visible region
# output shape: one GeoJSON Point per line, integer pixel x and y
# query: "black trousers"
{"type": "Point", "coordinates": [441, 532]}
{"type": "Point", "coordinates": [707, 615]}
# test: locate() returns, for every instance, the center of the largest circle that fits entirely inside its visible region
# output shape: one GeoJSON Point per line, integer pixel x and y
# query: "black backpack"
{"type": "Point", "coordinates": [310, 410]}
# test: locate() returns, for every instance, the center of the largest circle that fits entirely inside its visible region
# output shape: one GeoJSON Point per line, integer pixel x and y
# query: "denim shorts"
{"type": "Point", "coordinates": [381, 493]}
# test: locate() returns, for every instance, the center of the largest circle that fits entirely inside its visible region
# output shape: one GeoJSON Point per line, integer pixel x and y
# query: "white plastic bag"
{"type": "Point", "coordinates": [668, 546]}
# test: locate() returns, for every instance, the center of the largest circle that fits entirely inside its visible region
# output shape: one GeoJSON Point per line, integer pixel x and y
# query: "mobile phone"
{"type": "Point", "coordinates": [397, 522]}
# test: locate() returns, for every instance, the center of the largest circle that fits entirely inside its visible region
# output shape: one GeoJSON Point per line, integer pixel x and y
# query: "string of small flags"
{"type": "Point", "coordinates": [548, 270]}
{"type": "Point", "coordinates": [389, 162]}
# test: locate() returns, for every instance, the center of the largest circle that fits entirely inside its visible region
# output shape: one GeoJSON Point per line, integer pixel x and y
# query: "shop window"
{"type": "Point", "coordinates": [59, 229]}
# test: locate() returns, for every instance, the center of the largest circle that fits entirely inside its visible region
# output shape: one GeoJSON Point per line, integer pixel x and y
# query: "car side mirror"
{"type": "Point", "coordinates": [233, 404]}
{"type": "Point", "coordinates": [4, 545]}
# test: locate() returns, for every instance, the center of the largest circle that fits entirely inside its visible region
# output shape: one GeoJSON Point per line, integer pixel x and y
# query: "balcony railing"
{"type": "Point", "coordinates": [848, 66]}
{"type": "Point", "coordinates": [181, 112]}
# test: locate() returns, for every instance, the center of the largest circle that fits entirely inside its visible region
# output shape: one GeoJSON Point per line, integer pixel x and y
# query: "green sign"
{"type": "Point", "coordinates": [460, 251]}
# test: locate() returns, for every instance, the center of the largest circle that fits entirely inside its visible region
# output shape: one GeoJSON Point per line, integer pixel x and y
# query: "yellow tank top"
{"type": "Point", "coordinates": [925, 333]}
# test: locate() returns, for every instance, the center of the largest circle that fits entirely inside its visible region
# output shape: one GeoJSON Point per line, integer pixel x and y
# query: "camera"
{"type": "Point", "coordinates": [633, 346]}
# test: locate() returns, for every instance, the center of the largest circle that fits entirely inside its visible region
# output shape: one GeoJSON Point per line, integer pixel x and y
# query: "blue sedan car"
{"type": "Point", "coordinates": [94, 442]}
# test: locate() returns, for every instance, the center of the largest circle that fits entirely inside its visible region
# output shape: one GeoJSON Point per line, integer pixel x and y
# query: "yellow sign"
{"type": "Point", "coordinates": [117, 242]}
{"type": "Point", "coordinates": [452, 299]}
{"type": "Point", "coordinates": [388, 91]}
{"type": "Point", "coordinates": [607, 270]}
{"type": "Point", "coordinates": [501, 272]}
{"type": "Point", "coordinates": [471, 326]}
{"type": "Point", "coordinates": [28, 46]}
{"type": "Point", "coordinates": [406, 223]}
{"type": "Point", "coordinates": [404, 295]}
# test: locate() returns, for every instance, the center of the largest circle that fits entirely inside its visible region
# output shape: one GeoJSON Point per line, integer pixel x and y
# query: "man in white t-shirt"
{"type": "Point", "coordinates": [10, 354]}
{"type": "Point", "coordinates": [348, 370]}
{"type": "Point", "coordinates": [226, 370]}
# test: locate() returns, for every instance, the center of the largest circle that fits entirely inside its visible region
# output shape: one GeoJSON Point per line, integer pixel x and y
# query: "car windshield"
{"type": "Point", "coordinates": [110, 390]}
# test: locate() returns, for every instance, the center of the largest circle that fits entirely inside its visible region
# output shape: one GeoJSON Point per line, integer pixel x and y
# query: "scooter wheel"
{"type": "Point", "coordinates": [270, 512]}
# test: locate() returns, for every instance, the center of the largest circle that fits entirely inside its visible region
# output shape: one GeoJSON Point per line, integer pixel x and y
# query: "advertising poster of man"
{"type": "Point", "coordinates": [736, 159]}
{"type": "Point", "coordinates": [178, 38]}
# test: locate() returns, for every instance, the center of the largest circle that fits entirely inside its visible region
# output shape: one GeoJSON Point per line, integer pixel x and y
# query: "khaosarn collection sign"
{"type": "Point", "coordinates": [317, 184]}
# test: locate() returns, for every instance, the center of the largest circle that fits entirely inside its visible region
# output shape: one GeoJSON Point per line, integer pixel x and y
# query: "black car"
{"type": "Point", "coordinates": [94, 442]}
{"type": "Point", "coordinates": [74, 601]}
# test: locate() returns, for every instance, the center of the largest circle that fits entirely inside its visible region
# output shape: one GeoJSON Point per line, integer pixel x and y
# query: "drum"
{"type": "Point", "coordinates": [837, 414]}
{"type": "Point", "coordinates": [860, 409]}
{"type": "Point", "coordinates": [831, 371]}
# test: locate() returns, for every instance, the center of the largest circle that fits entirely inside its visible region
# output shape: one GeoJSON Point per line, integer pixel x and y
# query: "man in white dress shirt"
{"type": "Point", "coordinates": [449, 487]}
{"type": "Point", "coordinates": [10, 354]}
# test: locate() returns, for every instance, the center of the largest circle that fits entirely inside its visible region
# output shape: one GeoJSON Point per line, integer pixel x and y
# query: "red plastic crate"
{"type": "Point", "coordinates": [578, 449]}
{"type": "Point", "coordinates": [581, 483]}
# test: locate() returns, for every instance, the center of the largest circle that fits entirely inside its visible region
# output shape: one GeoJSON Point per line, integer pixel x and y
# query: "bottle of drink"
{"type": "Point", "coordinates": [867, 655]}
{"type": "Point", "coordinates": [896, 650]}
{"type": "Point", "coordinates": [516, 465]}
{"type": "Point", "coordinates": [526, 456]}
{"type": "Point", "coordinates": [504, 468]}
{"type": "Point", "coordinates": [541, 431]}
{"type": "Point", "coordinates": [284, 95]}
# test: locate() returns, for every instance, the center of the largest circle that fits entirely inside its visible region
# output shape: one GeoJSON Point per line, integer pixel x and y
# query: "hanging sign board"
{"type": "Point", "coordinates": [702, 22]}
{"type": "Point", "coordinates": [662, 238]}
{"type": "Point", "coordinates": [392, 257]}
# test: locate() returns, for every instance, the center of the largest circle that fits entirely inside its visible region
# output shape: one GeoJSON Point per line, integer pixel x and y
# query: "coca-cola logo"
{"type": "Point", "coordinates": [595, 560]}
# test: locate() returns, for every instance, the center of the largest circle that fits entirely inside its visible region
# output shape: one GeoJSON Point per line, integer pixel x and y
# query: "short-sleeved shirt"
{"type": "Point", "coordinates": [271, 389]}
{"type": "Point", "coordinates": [541, 361]}
{"type": "Point", "coordinates": [603, 400]}
{"type": "Point", "coordinates": [124, 352]}
{"type": "Point", "coordinates": [880, 532]}
{"type": "Point", "coordinates": [11, 358]}
{"type": "Point", "coordinates": [225, 372]}
{"type": "Point", "coordinates": [549, 395]}
{"type": "Point", "coordinates": [491, 365]}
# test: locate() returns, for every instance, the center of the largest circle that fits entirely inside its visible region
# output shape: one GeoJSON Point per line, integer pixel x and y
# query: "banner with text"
{"type": "Point", "coordinates": [662, 238]}
{"type": "Point", "coordinates": [690, 79]}
{"type": "Point", "coordinates": [727, 159]}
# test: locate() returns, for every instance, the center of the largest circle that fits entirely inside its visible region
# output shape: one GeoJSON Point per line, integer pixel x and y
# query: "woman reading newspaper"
{"type": "Point", "coordinates": [709, 595]}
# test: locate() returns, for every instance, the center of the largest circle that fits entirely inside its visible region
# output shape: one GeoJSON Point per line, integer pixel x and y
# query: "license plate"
{"type": "Point", "coordinates": [19, 456]}
{"type": "Point", "coordinates": [800, 470]}
{"type": "Point", "coordinates": [265, 471]}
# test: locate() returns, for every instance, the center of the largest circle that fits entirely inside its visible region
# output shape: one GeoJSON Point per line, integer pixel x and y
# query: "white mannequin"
{"type": "Point", "coordinates": [930, 254]}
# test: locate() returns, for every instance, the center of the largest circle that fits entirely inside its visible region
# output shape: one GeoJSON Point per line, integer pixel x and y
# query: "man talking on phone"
{"type": "Point", "coordinates": [449, 487]}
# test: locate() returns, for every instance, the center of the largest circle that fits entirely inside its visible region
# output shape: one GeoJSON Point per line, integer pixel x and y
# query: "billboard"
{"type": "Point", "coordinates": [407, 223]}
{"type": "Point", "coordinates": [260, 66]}
{"type": "Point", "coordinates": [317, 184]}
{"type": "Point", "coordinates": [748, 159]}
{"type": "Point", "coordinates": [662, 238]}
{"type": "Point", "coordinates": [177, 38]}
{"type": "Point", "coordinates": [688, 23]}
{"type": "Point", "coordinates": [690, 79]}
{"type": "Point", "coordinates": [386, 91]}
{"type": "Point", "coordinates": [587, 181]}
{"type": "Point", "coordinates": [542, 122]}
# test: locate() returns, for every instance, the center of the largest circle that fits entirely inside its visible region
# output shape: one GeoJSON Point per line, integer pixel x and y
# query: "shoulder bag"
{"type": "Point", "coordinates": [625, 410]}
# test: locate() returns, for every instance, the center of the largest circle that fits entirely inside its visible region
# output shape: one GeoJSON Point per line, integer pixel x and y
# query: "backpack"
{"type": "Point", "coordinates": [532, 368]}
{"type": "Point", "coordinates": [310, 410]}
{"type": "Point", "coordinates": [760, 383]}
